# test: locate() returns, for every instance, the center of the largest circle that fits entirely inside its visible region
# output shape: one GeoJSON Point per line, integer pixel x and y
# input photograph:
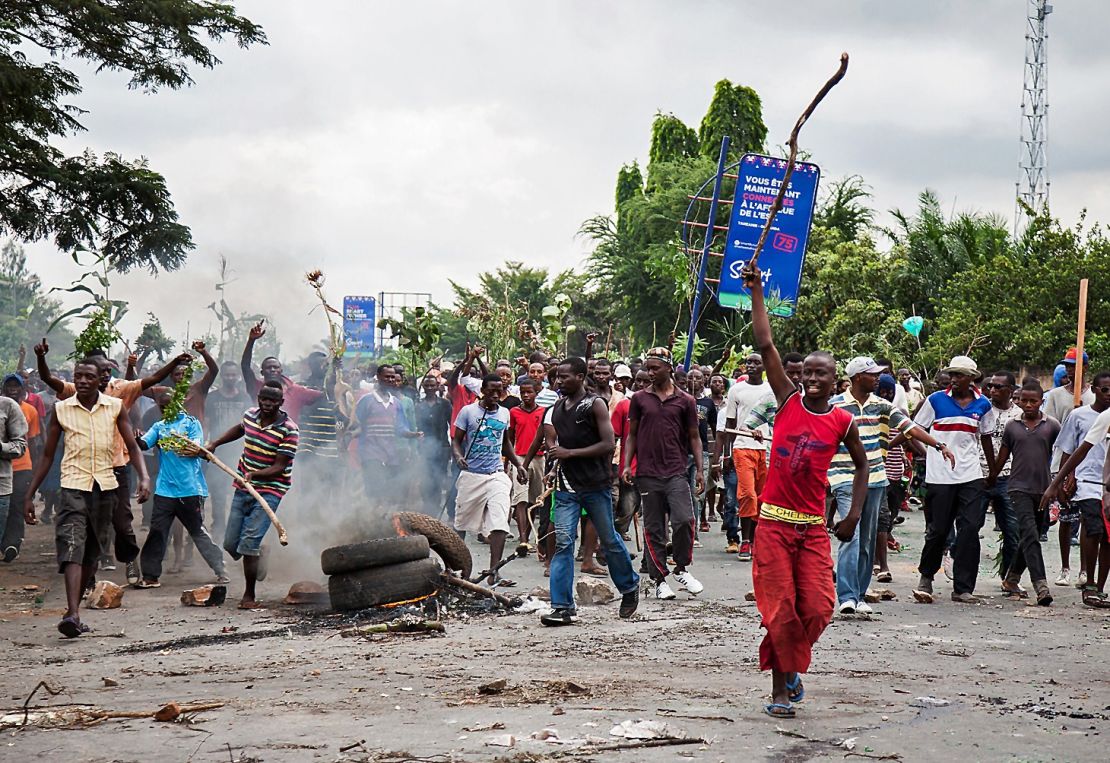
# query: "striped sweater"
{"type": "Point", "coordinates": [261, 447]}
{"type": "Point", "coordinates": [874, 418]}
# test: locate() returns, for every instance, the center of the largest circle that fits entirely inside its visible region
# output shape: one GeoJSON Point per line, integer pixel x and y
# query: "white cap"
{"type": "Point", "coordinates": [622, 372]}
{"type": "Point", "coordinates": [862, 365]}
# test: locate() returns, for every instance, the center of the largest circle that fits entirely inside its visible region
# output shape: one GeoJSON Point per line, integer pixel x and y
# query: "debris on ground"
{"type": "Point", "coordinates": [875, 595]}
{"type": "Point", "coordinates": [929, 702]}
{"type": "Point", "coordinates": [307, 592]}
{"type": "Point", "coordinates": [406, 624]}
{"type": "Point", "coordinates": [646, 729]}
{"type": "Point", "coordinates": [105, 595]}
{"type": "Point", "coordinates": [204, 596]}
{"type": "Point", "coordinates": [501, 740]}
{"type": "Point", "coordinates": [592, 591]}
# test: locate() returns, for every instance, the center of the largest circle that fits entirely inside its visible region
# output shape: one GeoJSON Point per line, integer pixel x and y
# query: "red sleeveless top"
{"type": "Point", "coordinates": [802, 448]}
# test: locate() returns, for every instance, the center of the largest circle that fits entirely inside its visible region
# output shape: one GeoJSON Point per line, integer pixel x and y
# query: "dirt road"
{"type": "Point", "coordinates": [999, 681]}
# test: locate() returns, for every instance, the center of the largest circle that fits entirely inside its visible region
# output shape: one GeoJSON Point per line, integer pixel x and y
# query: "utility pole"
{"type": "Point", "coordinates": [1032, 185]}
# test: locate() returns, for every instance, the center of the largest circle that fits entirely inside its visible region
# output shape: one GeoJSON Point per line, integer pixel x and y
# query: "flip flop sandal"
{"type": "Point", "coordinates": [779, 710]}
{"type": "Point", "coordinates": [504, 583]}
{"type": "Point", "coordinates": [796, 689]}
{"type": "Point", "coordinates": [251, 605]}
{"type": "Point", "coordinates": [1092, 598]}
{"type": "Point", "coordinates": [71, 627]}
{"type": "Point", "coordinates": [147, 584]}
{"type": "Point", "coordinates": [884, 577]}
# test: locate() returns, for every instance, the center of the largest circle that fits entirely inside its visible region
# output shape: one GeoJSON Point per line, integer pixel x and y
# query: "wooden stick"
{"type": "Point", "coordinates": [469, 587]}
{"type": "Point", "coordinates": [608, 337]}
{"type": "Point", "coordinates": [777, 204]}
{"type": "Point", "coordinates": [1080, 335]}
{"type": "Point", "coordinates": [744, 432]}
{"type": "Point", "coordinates": [283, 538]}
{"type": "Point", "coordinates": [636, 531]}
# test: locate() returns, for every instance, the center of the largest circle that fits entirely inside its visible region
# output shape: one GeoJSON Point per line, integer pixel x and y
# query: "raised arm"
{"type": "Point", "coordinates": [48, 378]}
{"type": "Point", "coordinates": [250, 381]}
{"type": "Point", "coordinates": [212, 369]}
{"type": "Point", "coordinates": [764, 341]}
{"type": "Point", "coordinates": [160, 375]}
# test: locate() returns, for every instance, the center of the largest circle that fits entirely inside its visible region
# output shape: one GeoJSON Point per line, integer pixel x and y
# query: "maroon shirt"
{"type": "Point", "coordinates": [663, 434]}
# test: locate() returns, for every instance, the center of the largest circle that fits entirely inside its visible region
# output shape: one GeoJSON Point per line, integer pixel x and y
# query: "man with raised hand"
{"type": "Point", "coordinates": [792, 565]}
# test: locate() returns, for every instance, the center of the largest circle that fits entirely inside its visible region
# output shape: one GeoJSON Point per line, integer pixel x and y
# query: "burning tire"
{"type": "Point", "coordinates": [383, 585]}
{"type": "Point", "coordinates": [373, 553]}
{"type": "Point", "coordinates": [442, 539]}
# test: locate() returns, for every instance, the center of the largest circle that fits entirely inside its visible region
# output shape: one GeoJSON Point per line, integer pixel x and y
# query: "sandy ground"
{"type": "Point", "coordinates": [1007, 681]}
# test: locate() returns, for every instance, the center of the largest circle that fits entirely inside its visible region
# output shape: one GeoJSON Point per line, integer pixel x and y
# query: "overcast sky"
{"type": "Point", "coordinates": [399, 145]}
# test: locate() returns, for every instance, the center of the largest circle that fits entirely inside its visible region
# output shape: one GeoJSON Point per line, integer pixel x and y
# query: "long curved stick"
{"type": "Point", "coordinates": [777, 204]}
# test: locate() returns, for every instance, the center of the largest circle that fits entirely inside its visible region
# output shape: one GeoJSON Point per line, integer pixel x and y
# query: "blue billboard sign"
{"type": "Point", "coordinates": [759, 179]}
{"type": "Point", "coordinates": [359, 323]}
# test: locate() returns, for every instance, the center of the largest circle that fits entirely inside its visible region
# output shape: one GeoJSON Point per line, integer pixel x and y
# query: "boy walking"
{"type": "Point", "coordinates": [792, 564]}
{"type": "Point", "coordinates": [1029, 440]}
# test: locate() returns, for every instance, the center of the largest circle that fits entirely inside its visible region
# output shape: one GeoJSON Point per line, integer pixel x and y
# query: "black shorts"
{"type": "Point", "coordinates": [1090, 512]}
{"type": "Point", "coordinates": [83, 525]}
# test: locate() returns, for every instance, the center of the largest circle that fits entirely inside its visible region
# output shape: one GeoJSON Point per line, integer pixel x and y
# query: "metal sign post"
{"type": "Point", "coordinates": [695, 312]}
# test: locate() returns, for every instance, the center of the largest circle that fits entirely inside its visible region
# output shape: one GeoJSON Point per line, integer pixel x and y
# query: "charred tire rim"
{"type": "Point", "coordinates": [380, 552]}
{"type": "Point", "coordinates": [443, 540]}
{"type": "Point", "coordinates": [383, 585]}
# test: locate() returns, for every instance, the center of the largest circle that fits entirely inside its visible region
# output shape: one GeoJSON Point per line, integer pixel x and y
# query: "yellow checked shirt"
{"type": "Point", "coordinates": [89, 447]}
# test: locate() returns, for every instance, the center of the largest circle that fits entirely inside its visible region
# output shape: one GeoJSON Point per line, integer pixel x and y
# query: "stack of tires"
{"type": "Point", "coordinates": [391, 570]}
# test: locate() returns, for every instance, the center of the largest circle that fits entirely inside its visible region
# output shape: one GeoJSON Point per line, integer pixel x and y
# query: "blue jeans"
{"type": "Point", "coordinates": [1006, 518]}
{"type": "Point", "coordinates": [855, 559]}
{"type": "Point", "coordinates": [247, 524]}
{"type": "Point", "coordinates": [5, 503]}
{"type": "Point", "coordinates": [728, 511]}
{"type": "Point", "coordinates": [598, 505]}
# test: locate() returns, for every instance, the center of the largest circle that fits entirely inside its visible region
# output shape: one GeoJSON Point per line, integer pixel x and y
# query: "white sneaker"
{"type": "Point", "coordinates": [848, 607]}
{"type": "Point", "coordinates": [689, 582]}
{"type": "Point", "coordinates": [947, 565]}
{"type": "Point", "coordinates": [1082, 580]}
{"type": "Point", "coordinates": [863, 608]}
{"type": "Point", "coordinates": [663, 591]}
{"type": "Point", "coordinates": [1065, 574]}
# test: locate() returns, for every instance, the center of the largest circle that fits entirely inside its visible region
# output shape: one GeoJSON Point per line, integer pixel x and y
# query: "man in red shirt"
{"type": "Point", "coordinates": [296, 396]}
{"type": "Point", "coordinates": [792, 560]}
{"type": "Point", "coordinates": [524, 421]}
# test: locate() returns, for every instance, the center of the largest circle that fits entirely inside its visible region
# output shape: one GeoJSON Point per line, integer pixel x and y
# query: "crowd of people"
{"type": "Point", "coordinates": [784, 453]}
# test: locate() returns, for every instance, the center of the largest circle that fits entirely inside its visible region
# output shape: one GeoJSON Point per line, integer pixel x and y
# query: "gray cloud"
{"type": "Point", "coordinates": [397, 146]}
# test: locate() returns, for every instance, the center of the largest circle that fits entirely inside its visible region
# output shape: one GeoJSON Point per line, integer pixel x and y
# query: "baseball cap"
{"type": "Point", "coordinates": [862, 365]}
{"type": "Point", "coordinates": [14, 378]}
{"type": "Point", "coordinates": [622, 372]}
{"type": "Point", "coordinates": [1069, 357]}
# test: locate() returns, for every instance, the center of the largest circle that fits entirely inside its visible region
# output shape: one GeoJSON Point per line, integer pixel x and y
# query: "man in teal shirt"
{"type": "Point", "coordinates": [179, 494]}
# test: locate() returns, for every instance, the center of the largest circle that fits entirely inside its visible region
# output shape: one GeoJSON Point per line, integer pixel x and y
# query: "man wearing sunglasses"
{"type": "Point", "coordinates": [957, 417]}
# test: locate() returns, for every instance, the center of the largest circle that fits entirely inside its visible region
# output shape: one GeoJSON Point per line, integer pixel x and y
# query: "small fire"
{"type": "Point", "coordinates": [399, 527]}
{"type": "Point", "coordinates": [408, 601]}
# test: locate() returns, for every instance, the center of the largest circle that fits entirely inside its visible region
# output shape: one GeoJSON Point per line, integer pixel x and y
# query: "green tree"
{"type": "Point", "coordinates": [1019, 307]}
{"type": "Point", "coordinates": [26, 313]}
{"type": "Point", "coordinates": [735, 111]}
{"type": "Point", "coordinates": [120, 207]}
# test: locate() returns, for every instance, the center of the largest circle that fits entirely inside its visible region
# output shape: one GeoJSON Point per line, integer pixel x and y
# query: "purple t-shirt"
{"type": "Point", "coordinates": [663, 434]}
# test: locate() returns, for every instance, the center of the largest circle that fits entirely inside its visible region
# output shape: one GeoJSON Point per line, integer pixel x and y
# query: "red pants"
{"type": "Point", "coordinates": [751, 475]}
{"type": "Point", "coordinates": [792, 576]}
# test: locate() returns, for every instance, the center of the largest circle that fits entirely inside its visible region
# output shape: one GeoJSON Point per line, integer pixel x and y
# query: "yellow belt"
{"type": "Point", "coordinates": [783, 514]}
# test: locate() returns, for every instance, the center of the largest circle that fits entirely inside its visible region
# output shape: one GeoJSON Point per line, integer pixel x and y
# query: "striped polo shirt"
{"type": "Point", "coordinates": [958, 427]}
{"type": "Point", "coordinates": [261, 447]}
{"type": "Point", "coordinates": [874, 418]}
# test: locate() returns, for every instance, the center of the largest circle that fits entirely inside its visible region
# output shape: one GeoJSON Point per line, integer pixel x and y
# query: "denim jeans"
{"type": "Point", "coordinates": [598, 505]}
{"type": "Point", "coordinates": [728, 510]}
{"type": "Point", "coordinates": [1006, 518]}
{"type": "Point", "coordinates": [5, 503]}
{"type": "Point", "coordinates": [855, 559]}
{"type": "Point", "coordinates": [247, 524]}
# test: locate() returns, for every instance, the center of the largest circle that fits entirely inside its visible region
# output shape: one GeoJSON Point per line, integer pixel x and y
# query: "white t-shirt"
{"type": "Point", "coordinates": [959, 429]}
{"type": "Point", "coordinates": [742, 398]}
